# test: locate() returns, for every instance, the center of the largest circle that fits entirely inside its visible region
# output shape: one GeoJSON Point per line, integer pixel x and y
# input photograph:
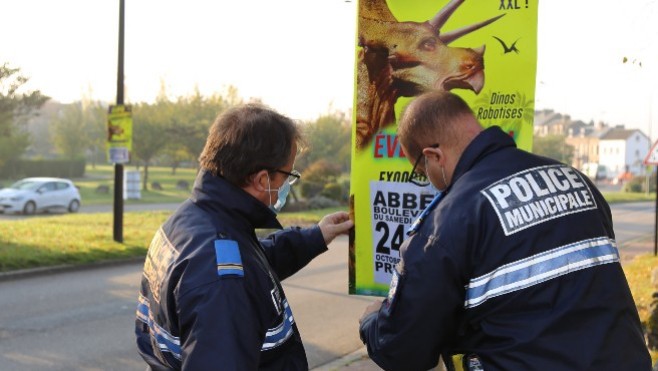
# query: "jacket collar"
{"type": "Point", "coordinates": [489, 140]}
{"type": "Point", "coordinates": [216, 194]}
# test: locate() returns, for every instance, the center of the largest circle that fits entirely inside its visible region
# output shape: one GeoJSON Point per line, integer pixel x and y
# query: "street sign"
{"type": "Point", "coordinates": [652, 156]}
{"type": "Point", "coordinates": [119, 155]}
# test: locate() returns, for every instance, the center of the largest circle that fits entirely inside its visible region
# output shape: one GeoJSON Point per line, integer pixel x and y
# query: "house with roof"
{"type": "Point", "coordinates": [623, 150]}
{"type": "Point", "coordinates": [615, 149]}
{"type": "Point", "coordinates": [584, 138]}
{"type": "Point", "coordinates": [549, 122]}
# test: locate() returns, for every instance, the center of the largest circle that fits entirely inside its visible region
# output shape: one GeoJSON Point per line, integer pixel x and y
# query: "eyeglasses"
{"type": "Point", "coordinates": [420, 180]}
{"type": "Point", "coordinates": [293, 176]}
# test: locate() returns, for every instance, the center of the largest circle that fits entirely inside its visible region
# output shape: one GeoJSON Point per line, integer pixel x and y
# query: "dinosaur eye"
{"type": "Point", "coordinates": [428, 44]}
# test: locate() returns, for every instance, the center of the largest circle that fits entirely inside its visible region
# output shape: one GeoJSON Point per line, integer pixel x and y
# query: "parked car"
{"type": "Point", "coordinates": [30, 195]}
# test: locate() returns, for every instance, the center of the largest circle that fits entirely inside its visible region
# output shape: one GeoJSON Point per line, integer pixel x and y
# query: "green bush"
{"type": "Point", "coordinates": [639, 184]}
{"type": "Point", "coordinates": [333, 191]}
{"type": "Point", "coordinates": [310, 189]}
{"type": "Point", "coordinates": [321, 202]}
{"type": "Point", "coordinates": [36, 168]}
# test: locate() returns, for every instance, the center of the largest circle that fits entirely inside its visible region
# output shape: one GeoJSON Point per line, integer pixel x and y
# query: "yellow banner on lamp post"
{"type": "Point", "coordinates": [485, 51]}
{"type": "Point", "coordinates": [119, 133]}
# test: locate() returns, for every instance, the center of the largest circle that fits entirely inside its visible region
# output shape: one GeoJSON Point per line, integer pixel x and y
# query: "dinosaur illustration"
{"type": "Point", "coordinates": [507, 49]}
{"type": "Point", "coordinates": [404, 59]}
{"type": "Point", "coordinates": [114, 131]}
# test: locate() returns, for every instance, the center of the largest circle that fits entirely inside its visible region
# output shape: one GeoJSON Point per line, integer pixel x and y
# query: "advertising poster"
{"type": "Point", "coordinates": [119, 134]}
{"type": "Point", "coordinates": [482, 50]}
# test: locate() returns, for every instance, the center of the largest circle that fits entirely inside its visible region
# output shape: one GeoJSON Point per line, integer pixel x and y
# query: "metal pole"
{"type": "Point", "coordinates": [118, 168]}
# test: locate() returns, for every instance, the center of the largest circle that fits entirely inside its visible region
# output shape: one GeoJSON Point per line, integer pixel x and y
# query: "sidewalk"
{"type": "Point", "coordinates": [359, 360]}
{"type": "Point", "coordinates": [638, 246]}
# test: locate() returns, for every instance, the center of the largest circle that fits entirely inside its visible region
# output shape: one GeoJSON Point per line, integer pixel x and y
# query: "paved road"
{"type": "Point", "coordinates": [129, 207]}
{"type": "Point", "coordinates": [72, 321]}
{"type": "Point", "coordinates": [633, 220]}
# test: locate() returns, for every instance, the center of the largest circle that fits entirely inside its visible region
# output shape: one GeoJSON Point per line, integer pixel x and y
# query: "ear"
{"type": "Point", "coordinates": [258, 181]}
{"type": "Point", "coordinates": [435, 154]}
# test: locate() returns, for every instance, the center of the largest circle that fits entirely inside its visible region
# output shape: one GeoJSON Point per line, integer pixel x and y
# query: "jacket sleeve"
{"type": "Point", "coordinates": [419, 317]}
{"type": "Point", "coordinates": [218, 327]}
{"type": "Point", "coordinates": [290, 249]}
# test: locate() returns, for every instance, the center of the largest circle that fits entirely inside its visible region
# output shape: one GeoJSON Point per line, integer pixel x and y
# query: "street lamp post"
{"type": "Point", "coordinates": [118, 167]}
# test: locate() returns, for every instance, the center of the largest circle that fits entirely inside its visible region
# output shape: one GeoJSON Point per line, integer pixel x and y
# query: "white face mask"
{"type": "Point", "coordinates": [282, 195]}
{"type": "Point", "coordinates": [443, 174]}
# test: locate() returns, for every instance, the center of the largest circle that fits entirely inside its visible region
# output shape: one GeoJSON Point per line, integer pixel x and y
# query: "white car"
{"type": "Point", "coordinates": [30, 195]}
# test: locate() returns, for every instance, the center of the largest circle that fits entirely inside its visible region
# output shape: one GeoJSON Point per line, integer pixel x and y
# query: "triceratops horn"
{"type": "Point", "coordinates": [444, 14]}
{"type": "Point", "coordinates": [451, 36]}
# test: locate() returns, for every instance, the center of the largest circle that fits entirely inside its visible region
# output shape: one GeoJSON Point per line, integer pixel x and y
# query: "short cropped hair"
{"type": "Point", "coordinates": [431, 118]}
{"type": "Point", "coordinates": [247, 139]}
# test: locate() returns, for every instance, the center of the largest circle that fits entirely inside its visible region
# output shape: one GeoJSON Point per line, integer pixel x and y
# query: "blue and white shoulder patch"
{"type": "Point", "coordinates": [229, 261]}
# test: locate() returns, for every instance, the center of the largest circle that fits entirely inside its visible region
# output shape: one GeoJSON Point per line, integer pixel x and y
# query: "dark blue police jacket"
{"type": "Point", "coordinates": [517, 266]}
{"type": "Point", "coordinates": [211, 297]}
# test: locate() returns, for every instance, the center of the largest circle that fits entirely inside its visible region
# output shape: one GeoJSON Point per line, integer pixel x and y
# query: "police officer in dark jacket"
{"type": "Point", "coordinates": [513, 267]}
{"type": "Point", "coordinates": [211, 295]}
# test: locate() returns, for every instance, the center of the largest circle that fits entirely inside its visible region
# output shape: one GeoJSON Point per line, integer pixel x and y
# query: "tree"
{"type": "Point", "coordinates": [15, 108]}
{"type": "Point", "coordinates": [192, 117]}
{"type": "Point", "coordinates": [150, 123]}
{"type": "Point", "coordinates": [80, 127]}
{"type": "Point", "coordinates": [96, 128]}
{"type": "Point", "coordinates": [318, 175]}
{"type": "Point", "coordinates": [67, 131]}
{"type": "Point", "coordinates": [554, 146]}
{"type": "Point", "coordinates": [177, 129]}
{"type": "Point", "coordinates": [172, 153]}
{"type": "Point", "coordinates": [327, 137]}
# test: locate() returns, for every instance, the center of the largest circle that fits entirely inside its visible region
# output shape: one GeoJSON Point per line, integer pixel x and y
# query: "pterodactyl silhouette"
{"type": "Point", "coordinates": [507, 49]}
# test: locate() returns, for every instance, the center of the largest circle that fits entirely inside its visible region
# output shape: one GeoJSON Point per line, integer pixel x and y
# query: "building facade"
{"type": "Point", "coordinates": [618, 149]}
{"type": "Point", "coordinates": [624, 150]}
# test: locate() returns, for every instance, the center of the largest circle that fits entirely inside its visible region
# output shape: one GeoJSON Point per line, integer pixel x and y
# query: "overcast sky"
{"type": "Point", "coordinates": [298, 55]}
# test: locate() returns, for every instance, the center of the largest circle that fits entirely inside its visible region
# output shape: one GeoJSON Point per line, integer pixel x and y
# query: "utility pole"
{"type": "Point", "coordinates": [118, 167]}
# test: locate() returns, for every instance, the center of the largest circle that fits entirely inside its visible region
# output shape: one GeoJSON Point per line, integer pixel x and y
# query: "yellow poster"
{"type": "Point", "coordinates": [483, 50]}
{"type": "Point", "coordinates": [119, 133]}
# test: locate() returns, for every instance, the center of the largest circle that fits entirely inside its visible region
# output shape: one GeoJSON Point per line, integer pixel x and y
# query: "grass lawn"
{"type": "Point", "coordinates": [81, 239]}
{"type": "Point", "coordinates": [638, 274]}
{"type": "Point", "coordinates": [615, 197]}
{"type": "Point", "coordinates": [104, 176]}
{"type": "Point", "coordinates": [74, 239]}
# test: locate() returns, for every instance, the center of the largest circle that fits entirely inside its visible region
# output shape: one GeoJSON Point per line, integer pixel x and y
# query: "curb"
{"type": "Point", "coordinates": [343, 361]}
{"type": "Point", "coordinates": [42, 271]}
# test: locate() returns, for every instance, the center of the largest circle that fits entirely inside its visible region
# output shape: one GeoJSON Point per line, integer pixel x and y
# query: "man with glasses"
{"type": "Point", "coordinates": [513, 266]}
{"type": "Point", "coordinates": [211, 295]}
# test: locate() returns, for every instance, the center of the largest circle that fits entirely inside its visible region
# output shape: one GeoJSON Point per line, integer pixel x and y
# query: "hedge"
{"type": "Point", "coordinates": [37, 168]}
